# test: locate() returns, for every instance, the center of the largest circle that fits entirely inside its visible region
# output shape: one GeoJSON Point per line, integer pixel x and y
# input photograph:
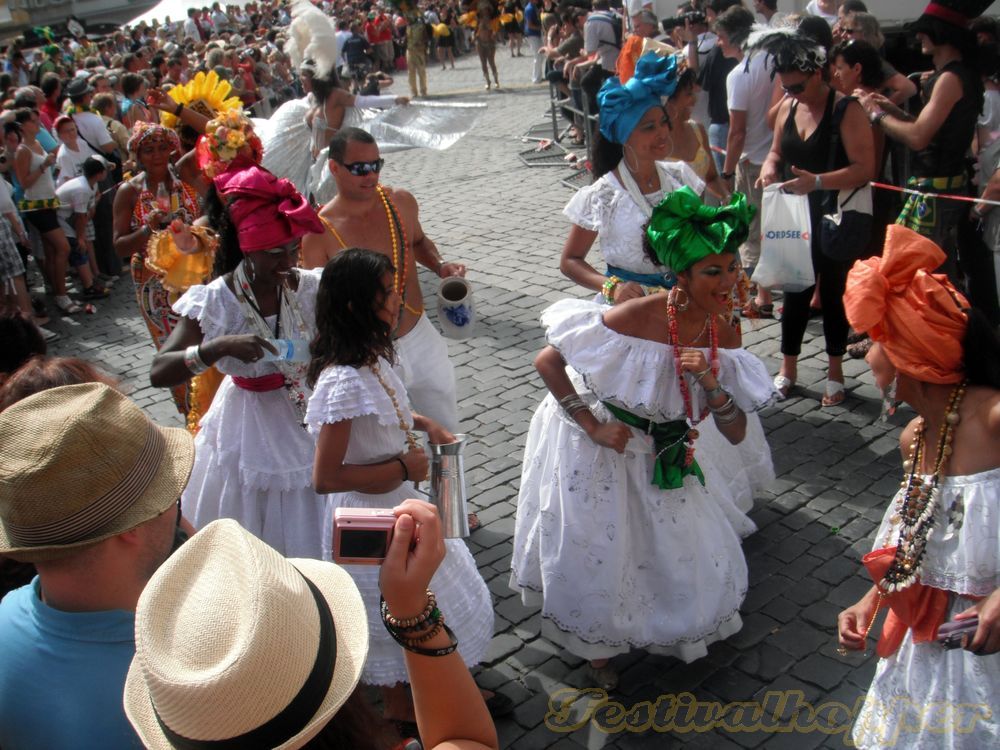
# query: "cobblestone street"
{"type": "Point", "coordinates": [837, 468]}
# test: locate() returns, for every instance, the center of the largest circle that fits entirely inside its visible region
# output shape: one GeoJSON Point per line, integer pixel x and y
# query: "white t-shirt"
{"type": "Point", "coordinates": [989, 120]}
{"type": "Point", "coordinates": [748, 89]}
{"type": "Point", "coordinates": [76, 197]}
{"type": "Point", "coordinates": [70, 162]}
{"type": "Point", "coordinates": [191, 30]}
{"type": "Point", "coordinates": [813, 9]}
{"type": "Point", "coordinates": [704, 44]}
{"type": "Point", "coordinates": [92, 130]}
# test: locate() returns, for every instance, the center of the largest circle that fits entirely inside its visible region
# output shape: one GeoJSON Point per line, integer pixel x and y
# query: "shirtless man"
{"type": "Point", "coordinates": [359, 217]}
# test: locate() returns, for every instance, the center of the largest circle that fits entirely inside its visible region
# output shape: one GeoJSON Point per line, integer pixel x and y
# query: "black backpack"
{"type": "Point", "coordinates": [616, 25]}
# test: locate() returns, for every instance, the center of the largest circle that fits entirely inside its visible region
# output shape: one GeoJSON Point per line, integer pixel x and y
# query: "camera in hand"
{"type": "Point", "coordinates": [691, 16]}
{"type": "Point", "coordinates": [361, 536]}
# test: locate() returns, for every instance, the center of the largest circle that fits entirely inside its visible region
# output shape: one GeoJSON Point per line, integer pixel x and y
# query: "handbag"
{"type": "Point", "coordinates": [785, 244]}
{"type": "Point", "coordinates": [845, 232]}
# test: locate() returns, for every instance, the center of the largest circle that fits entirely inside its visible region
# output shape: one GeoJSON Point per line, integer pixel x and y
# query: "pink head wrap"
{"type": "Point", "coordinates": [266, 211]}
{"type": "Point", "coordinates": [915, 315]}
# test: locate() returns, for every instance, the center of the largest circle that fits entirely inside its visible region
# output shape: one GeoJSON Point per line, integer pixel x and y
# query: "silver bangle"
{"type": "Point", "coordinates": [572, 404]}
{"type": "Point", "coordinates": [193, 360]}
{"type": "Point", "coordinates": [717, 391]}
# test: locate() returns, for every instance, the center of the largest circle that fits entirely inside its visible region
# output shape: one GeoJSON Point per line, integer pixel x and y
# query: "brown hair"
{"type": "Point", "coordinates": [41, 373]}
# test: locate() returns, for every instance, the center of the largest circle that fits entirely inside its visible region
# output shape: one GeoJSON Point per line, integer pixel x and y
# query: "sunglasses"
{"type": "Point", "coordinates": [849, 31]}
{"type": "Point", "coordinates": [362, 168]}
{"type": "Point", "coordinates": [795, 88]}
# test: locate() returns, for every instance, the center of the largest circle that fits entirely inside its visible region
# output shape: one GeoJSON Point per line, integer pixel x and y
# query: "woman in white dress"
{"type": "Point", "coordinates": [635, 139]}
{"type": "Point", "coordinates": [366, 456]}
{"type": "Point", "coordinates": [938, 548]}
{"type": "Point", "coordinates": [621, 534]}
{"type": "Point", "coordinates": [631, 177]}
{"type": "Point", "coordinates": [254, 457]}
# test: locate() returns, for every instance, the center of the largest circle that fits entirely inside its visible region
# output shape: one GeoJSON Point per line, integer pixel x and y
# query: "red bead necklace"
{"type": "Point", "coordinates": [713, 337]}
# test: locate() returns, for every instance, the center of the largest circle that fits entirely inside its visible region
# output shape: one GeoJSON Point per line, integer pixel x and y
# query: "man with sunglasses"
{"type": "Point", "coordinates": [751, 94]}
{"type": "Point", "coordinates": [386, 220]}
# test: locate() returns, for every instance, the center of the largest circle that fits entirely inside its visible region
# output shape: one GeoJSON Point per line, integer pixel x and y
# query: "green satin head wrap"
{"type": "Point", "coordinates": [683, 230]}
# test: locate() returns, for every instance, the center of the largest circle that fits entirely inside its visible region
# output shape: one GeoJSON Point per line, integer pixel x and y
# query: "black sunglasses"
{"type": "Point", "coordinates": [795, 88]}
{"type": "Point", "coordinates": [362, 168]}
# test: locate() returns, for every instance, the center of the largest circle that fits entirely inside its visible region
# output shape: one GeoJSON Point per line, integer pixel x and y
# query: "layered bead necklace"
{"type": "Point", "coordinates": [411, 439]}
{"type": "Point", "coordinates": [713, 336]}
{"type": "Point", "coordinates": [917, 504]}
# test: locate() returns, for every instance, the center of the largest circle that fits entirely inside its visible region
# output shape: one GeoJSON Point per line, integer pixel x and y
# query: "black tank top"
{"type": "Point", "coordinates": [945, 154]}
{"type": "Point", "coordinates": [811, 154]}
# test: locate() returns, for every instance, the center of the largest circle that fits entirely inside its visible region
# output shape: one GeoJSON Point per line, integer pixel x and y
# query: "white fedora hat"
{"type": "Point", "coordinates": [237, 647]}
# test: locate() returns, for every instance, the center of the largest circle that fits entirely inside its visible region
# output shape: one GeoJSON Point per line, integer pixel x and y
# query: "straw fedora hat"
{"type": "Point", "coordinates": [231, 645]}
{"type": "Point", "coordinates": [82, 463]}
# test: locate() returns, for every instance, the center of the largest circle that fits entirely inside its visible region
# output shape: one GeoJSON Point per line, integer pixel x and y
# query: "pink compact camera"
{"type": "Point", "coordinates": [361, 536]}
{"type": "Point", "coordinates": [957, 633]}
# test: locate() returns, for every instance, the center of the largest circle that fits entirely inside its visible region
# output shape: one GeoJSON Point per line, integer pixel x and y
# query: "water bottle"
{"type": "Point", "coordinates": [292, 350]}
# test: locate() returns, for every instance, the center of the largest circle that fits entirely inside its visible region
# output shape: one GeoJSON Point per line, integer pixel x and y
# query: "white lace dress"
{"type": "Point", "coordinates": [614, 561]}
{"type": "Point", "coordinates": [253, 459]}
{"type": "Point", "coordinates": [606, 208]}
{"type": "Point", "coordinates": [925, 697]}
{"type": "Point", "coordinates": [344, 393]}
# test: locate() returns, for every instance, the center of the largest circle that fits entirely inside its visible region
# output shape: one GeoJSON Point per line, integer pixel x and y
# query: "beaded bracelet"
{"type": "Point", "coordinates": [409, 624]}
{"type": "Point", "coordinates": [443, 651]}
{"type": "Point", "coordinates": [609, 289]}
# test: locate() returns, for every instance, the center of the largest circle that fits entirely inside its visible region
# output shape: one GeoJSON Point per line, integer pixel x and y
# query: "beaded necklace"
{"type": "Point", "coordinates": [713, 335]}
{"type": "Point", "coordinates": [918, 502]}
{"type": "Point", "coordinates": [398, 251]}
{"type": "Point", "coordinates": [411, 439]}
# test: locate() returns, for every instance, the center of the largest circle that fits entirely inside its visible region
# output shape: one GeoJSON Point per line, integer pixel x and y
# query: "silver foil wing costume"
{"type": "Point", "coordinates": [286, 137]}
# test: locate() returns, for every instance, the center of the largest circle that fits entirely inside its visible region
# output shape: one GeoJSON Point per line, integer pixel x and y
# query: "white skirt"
{"type": "Point", "coordinates": [615, 562]}
{"type": "Point", "coordinates": [460, 590]}
{"type": "Point", "coordinates": [925, 697]}
{"type": "Point", "coordinates": [253, 463]}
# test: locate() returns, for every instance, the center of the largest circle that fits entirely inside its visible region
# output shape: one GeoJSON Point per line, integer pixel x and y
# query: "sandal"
{"type": "Point", "coordinates": [95, 292]}
{"type": "Point", "coordinates": [605, 677]}
{"type": "Point", "coordinates": [783, 386]}
{"type": "Point", "coordinates": [752, 310]}
{"type": "Point", "coordinates": [859, 349]}
{"type": "Point", "coordinates": [833, 394]}
{"type": "Point", "coordinates": [67, 306]}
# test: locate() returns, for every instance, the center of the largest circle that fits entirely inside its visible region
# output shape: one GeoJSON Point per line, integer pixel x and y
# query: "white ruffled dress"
{"type": "Point", "coordinates": [606, 208]}
{"type": "Point", "coordinates": [925, 697]}
{"type": "Point", "coordinates": [253, 458]}
{"type": "Point", "coordinates": [614, 561]}
{"type": "Point", "coordinates": [348, 393]}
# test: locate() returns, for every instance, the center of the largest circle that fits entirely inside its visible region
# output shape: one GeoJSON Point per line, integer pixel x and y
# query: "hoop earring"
{"type": "Point", "coordinates": [625, 149]}
{"type": "Point", "coordinates": [672, 299]}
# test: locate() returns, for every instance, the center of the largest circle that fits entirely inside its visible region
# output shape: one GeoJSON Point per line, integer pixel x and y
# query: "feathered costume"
{"type": "Point", "coordinates": [312, 48]}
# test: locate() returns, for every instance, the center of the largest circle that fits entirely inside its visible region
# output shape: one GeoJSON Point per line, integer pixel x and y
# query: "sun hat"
{"type": "Point", "coordinates": [82, 463]}
{"type": "Point", "coordinates": [77, 88]}
{"type": "Point", "coordinates": [954, 13]}
{"type": "Point", "coordinates": [235, 644]}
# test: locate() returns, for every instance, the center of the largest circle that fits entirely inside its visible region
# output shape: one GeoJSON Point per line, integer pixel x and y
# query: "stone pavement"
{"type": "Point", "coordinates": [837, 468]}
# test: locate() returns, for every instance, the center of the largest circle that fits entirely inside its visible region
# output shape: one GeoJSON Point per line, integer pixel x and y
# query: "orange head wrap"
{"type": "Point", "coordinates": [915, 315]}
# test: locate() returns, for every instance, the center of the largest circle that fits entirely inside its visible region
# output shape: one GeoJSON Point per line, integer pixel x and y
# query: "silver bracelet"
{"type": "Point", "coordinates": [193, 360]}
{"type": "Point", "coordinates": [571, 404]}
{"type": "Point", "coordinates": [717, 391]}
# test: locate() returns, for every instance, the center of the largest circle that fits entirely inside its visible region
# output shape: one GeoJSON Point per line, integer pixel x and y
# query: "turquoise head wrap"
{"type": "Point", "coordinates": [683, 230]}
{"type": "Point", "coordinates": [622, 106]}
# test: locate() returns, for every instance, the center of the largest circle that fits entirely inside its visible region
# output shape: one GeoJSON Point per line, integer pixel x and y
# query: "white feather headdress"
{"type": "Point", "coordinates": [312, 36]}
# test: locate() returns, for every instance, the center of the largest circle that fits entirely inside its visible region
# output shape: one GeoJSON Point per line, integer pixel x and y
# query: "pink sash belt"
{"type": "Point", "coordinates": [271, 382]}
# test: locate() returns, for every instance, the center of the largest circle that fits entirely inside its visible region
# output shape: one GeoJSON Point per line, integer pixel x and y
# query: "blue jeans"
{"type": "Point", "coordinates": [718, 134]}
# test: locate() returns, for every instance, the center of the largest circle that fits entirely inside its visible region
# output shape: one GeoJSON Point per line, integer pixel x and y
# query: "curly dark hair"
{"type": "Point", "coordinates": [348, 332]}
{"type": "Point", "coordinates": [228, 255]}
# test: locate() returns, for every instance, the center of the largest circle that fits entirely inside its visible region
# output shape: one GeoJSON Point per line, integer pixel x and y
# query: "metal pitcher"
{"type": "Point", "coordinates": [447, 490]}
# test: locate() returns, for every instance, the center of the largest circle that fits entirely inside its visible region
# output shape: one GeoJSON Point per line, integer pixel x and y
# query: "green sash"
{"type": "Point", "coordinates": [670, 446]}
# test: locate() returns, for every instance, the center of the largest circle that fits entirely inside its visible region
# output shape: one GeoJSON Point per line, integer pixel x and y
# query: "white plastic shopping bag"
{"type": "Point", "coordinates": [785, 242]}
